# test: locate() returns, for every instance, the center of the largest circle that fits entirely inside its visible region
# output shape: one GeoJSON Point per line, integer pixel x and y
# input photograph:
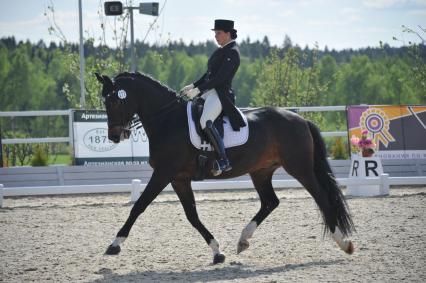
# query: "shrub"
{"type": "Point", "coordinates": [339, 149]}
{"type": "Point", "coordinates": [40, 156]}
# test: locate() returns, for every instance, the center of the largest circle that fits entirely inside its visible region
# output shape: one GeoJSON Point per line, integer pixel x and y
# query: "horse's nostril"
{"type": "Point", "coordinates": [114, 138]}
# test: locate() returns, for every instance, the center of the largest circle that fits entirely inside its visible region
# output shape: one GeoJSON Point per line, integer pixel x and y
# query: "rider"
{"type": "Point", "coordinates": [215, 87]}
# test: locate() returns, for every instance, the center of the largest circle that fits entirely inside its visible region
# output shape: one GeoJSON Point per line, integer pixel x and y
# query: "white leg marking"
{"type": "Point", "coordinates": [215, 247]}
{"type": "Point", "coordinates": [248, 231]}
{"type": "Point", "coordinates": [339, 239]}
{"type": "Point", "coordinates": [117, 241]}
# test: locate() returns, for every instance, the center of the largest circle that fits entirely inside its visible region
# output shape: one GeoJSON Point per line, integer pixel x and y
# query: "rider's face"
{"type": "Point", "coordinates": [222, 37]}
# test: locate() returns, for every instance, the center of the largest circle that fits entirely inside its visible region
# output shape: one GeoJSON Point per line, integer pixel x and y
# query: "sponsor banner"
{"type": "Point", "coordinates": [92, 146]}
{"type": "Point", "coordinates": [398, 131]}
{"type": "Point", "coordinates": [111, 161]}
{"type": "Point", "coordinates": [90, 116]}
{"type": "Point", "coordinates": [398, 154]}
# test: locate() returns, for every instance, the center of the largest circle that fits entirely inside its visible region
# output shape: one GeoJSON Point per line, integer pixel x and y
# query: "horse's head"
{"type": "Point", "coordinates": [120, 106]}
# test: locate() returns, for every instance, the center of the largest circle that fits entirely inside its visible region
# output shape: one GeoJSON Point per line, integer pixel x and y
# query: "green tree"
{"type": "Point", "coordinates": [245, 81]}
{"type": "Point", "coordinates": [151, 64]}
{"type": "Point", "coordinates": [4, 64]}
{"type": "Point", "coordinates": [327, 76]}
{"type": "Point", "coordinates": [417, 55]}
{"type": "Point", "coordinates": [282, 82]}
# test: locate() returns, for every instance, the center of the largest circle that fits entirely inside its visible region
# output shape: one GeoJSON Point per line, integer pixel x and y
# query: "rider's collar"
{"type": "Point", "coordinates": [228, 43]}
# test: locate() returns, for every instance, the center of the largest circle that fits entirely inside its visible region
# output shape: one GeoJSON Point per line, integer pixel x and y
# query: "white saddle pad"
{"type": "Point", "coordinates": [231, 138]}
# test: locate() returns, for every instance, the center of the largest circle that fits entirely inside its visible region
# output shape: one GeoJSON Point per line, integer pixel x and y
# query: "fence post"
{"type": "Point", "coordinates": [384, 186]}
{"type": "Point", "coordinates": [1, 195]}
{"type": "Point", "coordinates": [1, 150]}
{"type": "Point", "coordinates": [71, 133]}
{"type": "Point", "coordinates": [136, 190]}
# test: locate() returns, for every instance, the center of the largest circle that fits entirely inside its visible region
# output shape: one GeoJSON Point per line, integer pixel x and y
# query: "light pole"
{"type": "Point", "coordinates": [82, 88]}
{"type": "Point", "coordinates": [115, 8]}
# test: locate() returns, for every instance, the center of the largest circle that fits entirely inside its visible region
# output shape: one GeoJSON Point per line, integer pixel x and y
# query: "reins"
{"type": "Point", "coordinates": [136, 123]}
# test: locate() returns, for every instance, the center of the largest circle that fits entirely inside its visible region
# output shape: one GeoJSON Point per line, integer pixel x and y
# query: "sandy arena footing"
{"type": "Point", "coordinates": [63, 238]}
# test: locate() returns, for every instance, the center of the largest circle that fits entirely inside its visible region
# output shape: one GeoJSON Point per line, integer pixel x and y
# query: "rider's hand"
{"type": "Point", "coordinates": [187, 88]}
{"type": "Point", "coordinates": [192, 93]}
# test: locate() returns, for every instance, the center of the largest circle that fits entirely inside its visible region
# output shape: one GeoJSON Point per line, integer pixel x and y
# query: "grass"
{"type": "Point", "coordinates": [60, 159]}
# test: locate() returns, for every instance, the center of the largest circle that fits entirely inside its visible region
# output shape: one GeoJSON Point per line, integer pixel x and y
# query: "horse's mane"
{"type": "Point", "coordinates": [146, 78]}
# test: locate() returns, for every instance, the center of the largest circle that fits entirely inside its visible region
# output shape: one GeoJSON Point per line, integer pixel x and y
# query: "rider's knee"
{"type": "Point", "coordinates": [203, 123]}
{"type": "Point", "coordinates": [206, 123]}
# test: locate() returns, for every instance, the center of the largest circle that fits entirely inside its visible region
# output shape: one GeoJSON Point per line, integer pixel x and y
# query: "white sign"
{"type": "Point", "coordinates": [365, 167]}
{"type": "Point", "coordinates": [92, 146]}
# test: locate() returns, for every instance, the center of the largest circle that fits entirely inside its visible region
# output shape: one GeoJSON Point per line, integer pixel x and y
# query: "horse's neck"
{"type": "Point", "coordinates": [155, 107]}
{"type": "Point", "coordinates": [157, 124]}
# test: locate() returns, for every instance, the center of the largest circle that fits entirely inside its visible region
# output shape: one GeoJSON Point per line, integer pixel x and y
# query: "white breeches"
{"type": "Point", "coordinates": [212, 107]}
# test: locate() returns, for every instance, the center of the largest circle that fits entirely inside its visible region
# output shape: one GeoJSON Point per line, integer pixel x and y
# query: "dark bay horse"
{"type": "Point", "coordinates": [277, 138]}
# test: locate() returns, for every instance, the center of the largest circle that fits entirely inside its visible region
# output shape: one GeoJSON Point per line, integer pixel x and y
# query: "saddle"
{"type": "Point", "coordinates": [200, 141]}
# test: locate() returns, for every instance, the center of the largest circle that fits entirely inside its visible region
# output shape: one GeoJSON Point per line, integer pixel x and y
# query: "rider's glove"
{"type": "Point", "coordinates": [187, 88]}
{"type": "Point", "coordinates": [192, 93]}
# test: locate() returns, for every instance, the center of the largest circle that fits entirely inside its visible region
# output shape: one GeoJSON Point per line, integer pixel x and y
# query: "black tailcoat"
{"type": "Point", "coordinates": [221, 68]}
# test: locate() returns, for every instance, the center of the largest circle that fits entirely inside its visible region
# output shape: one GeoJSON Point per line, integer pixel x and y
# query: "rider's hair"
{"type": "Point", "coordinates": [233, 34]}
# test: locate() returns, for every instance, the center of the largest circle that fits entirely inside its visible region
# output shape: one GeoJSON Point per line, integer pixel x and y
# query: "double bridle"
{"type": "Point", "coordinates": [136, 122]}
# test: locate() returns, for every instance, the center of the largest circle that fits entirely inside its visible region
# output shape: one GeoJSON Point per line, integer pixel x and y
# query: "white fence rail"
{"type": "Point", "coordinates": [68, 139]}
{"type": "Point", "coordinates": [136, 186]}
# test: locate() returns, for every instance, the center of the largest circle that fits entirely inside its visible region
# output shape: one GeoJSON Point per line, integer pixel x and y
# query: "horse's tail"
{"type": "Point", "coordinates": [339, 212]}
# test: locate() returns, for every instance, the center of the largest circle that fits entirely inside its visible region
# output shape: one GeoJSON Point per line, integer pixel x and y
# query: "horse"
{"type": "Point", "coordinates": [278, 138]}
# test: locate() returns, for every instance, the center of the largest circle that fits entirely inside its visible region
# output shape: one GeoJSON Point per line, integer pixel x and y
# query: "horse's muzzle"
{"type": "Point", "coordinates": [115, 133]}
{"type": "Point", "coordinates": [118, 133]}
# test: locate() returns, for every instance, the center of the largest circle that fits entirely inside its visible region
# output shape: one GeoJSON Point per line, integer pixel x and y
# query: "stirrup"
{"type": "Point", "coordinates": [220, 166]}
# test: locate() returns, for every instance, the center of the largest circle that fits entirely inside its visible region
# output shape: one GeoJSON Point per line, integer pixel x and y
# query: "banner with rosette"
{"type": "Point", "coordinates": [399, 132]}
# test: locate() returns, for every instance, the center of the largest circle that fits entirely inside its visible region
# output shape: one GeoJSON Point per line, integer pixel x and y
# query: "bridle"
{"type": "Point", "coordinates": [136, 122]}
{"type": "Point", "coordinates": [126, 128]}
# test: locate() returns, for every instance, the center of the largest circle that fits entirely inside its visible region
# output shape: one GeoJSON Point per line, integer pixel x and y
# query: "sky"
{"type": "Point", "coordinates": [337, 24]}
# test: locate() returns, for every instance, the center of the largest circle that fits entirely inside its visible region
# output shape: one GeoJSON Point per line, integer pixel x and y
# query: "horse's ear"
{"type": "Point", "coordinates": [100, 79]}
{"type": "Point", "coordinates": [108, 84]}
{"type": "Point", "coordinates": [107, 81]}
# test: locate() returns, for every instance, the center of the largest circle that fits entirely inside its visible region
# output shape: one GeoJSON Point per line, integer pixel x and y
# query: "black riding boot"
{"type": "Point", "coordinates": [216, 141]}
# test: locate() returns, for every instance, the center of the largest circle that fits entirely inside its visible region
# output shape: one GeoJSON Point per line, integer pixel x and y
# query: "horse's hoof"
{"type": "Point", "coordinates": [242, 246]}
{"type": "Point", "coordinates": [219, 258]}
{"type": "Point", "coordinates": [350, 249]}
{"type": "Point", "coordinates": [113, 250]}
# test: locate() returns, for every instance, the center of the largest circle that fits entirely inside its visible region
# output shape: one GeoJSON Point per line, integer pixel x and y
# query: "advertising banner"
{"type": "Point", "coordinates": [399, 132]}
{"type": "Point", "coordinates": [92, 146]}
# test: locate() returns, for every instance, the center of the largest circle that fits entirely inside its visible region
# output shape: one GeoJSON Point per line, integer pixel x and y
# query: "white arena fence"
{"type": "Point", "coordinates": [132, 179]}
{"type": "Point", "coordinates": [136, 187]}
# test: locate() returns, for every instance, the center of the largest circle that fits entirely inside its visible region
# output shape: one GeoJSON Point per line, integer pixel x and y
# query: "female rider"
{"type": "Point", "coordinates": [215, 86]}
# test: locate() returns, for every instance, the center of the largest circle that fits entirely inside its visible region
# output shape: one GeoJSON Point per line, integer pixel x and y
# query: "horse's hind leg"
{"type": "Point", "coordinates": [309, 181]}
{"type": "Point", "coordinates": [186, 196]}
{"type": "Point", "coordinates": [262, 181]}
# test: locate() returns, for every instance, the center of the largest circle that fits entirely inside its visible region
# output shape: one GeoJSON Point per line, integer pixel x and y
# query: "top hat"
{"type": "Point", "coordinates": [225, 25]}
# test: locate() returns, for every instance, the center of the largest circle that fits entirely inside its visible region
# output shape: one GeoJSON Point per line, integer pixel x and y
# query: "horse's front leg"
{"type": "Point", "coordinates": [159, 180]}
{"type": "Point", "coordinates": [184, 191]}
